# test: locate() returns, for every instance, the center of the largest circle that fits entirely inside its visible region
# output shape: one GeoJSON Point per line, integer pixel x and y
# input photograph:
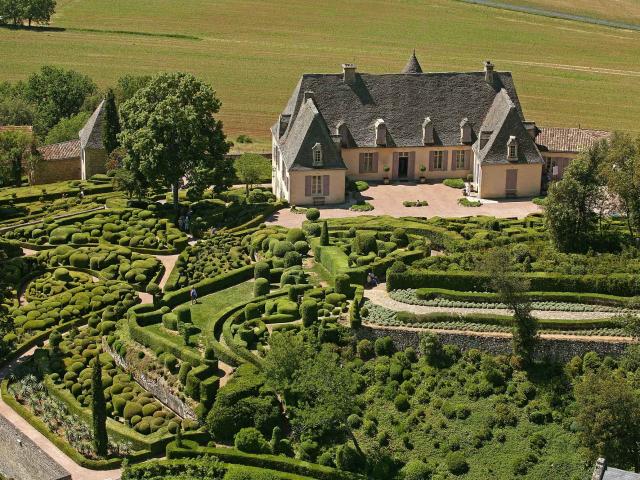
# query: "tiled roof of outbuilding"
{"type": "Point", "coordinates": [554, 139]}
{"type": "Point", "coordinates": [91, 133]}
{"type": "Point", "coordinates": [61, 151]}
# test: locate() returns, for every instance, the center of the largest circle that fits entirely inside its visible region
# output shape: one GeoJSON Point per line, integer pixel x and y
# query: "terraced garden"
{"type": "Point", "coordinates": [281, 366]}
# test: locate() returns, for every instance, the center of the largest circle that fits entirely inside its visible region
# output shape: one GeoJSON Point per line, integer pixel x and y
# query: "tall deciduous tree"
{"type": "Point", "coordinates": [16, 148]}
{"type": "Point", "coordinates": [622, 171]}
{"type": "Point", "coordinates": [111, 123]}
{"type": "Point", "coordinates": [38, 11]}
{"type": "Point", "coordinates": [608, 413]}
{"type": "Point", "coordinates": [249, 168]}
{"type": "Point", "coordinates": [169, 130]}
{"type": "Point", "coordinates": [67, 128]}
{"type": "Point", "coordinates": [99, 410]}
{"type": "Point", "coordinates": [57, 93]}
{"type": "Point", "coordinates": [128, 85]}
{"type": "Point", "coordinates": [512, 288]}
{"type": "Point", "coordinates": [572, 204]}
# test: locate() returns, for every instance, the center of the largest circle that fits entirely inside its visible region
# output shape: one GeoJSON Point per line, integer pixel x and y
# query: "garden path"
{"type": "Point", "coordinates": [77, 472]}
{"type": "Point", "coordinates": [379, 296]}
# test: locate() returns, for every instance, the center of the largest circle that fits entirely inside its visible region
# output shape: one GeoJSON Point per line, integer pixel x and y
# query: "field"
{"type": "Point", "coordinates": [253, 52]}
{"type": "Point", "coordinates": [617, 10]}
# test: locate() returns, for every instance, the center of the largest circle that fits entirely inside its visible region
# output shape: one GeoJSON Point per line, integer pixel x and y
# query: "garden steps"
{"type": "Point", "coordinates": [380, 296]}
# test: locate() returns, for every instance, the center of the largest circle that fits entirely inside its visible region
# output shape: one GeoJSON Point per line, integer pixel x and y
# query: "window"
{"type": "Point", "coordinates": [459, 159]}
{"type": "Point", "coordinates": [316, 185]}
{"type": "Point", "coordinates": [317, 155]}
{"type": "Point", "coordinates": [512, 148]}
{"type": "Point", "coordinates": [438, 160]}
{"type": "Point", "coordinates": [367, 163]}
{"type": "Point", "coordinates": [513, 151]}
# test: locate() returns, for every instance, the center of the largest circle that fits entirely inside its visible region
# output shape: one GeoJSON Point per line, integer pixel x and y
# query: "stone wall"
{"type": "Point", "coordinates": [157, 388]}
{"type": "Point", "coordinates": [560, 350]}
{"type": "Point", "coordinates": [22, 459]}
{"type": "Point", "coordinates": [49, 171]}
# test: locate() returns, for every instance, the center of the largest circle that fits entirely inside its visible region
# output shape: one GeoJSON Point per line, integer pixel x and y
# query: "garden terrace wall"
{"type": "Point", "coordinates": [88, 190]}
{"type": "Point", "coordinates": [22, 459]}
{"type": "Point", "coordinates": [280, 463]}
{"type": "Point", "coordinates": [620, 284]}
{"type": "Point", "coordinates": [159, 391]}
{"type": "Point", "coordinates": [270, 209]}
{"type": "Point", "coordinates": [556, 350]}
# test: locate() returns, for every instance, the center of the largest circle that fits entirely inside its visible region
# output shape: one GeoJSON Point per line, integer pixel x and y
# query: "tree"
{"type": "Point", "coordinates": [622, 172]}
{"type": "Point", "coordinates": [133, 183]}
{"type": "Point", "coordinates": [512, 290]}
{"type": "Point", "coordinates": [169, 130]}
{"type": "Point", "coordinates": [16, 148]}
{"type": "Point", "coordinates": [38, 11]}
{"type": "Point", "coordinates": [111, 123]}
{"type": "Point", "coordinates": [128, 85]}
{"type": "Point", "coordinates": [608, 413]}
{"type": "Point", "coordinates": [570, 209]}
{"type": "Point", "coordinates": [15, 110]}
{"type": "Point", "coordinates": [285, 357]}
{"type": "Point", "coordinates": [249, 168]}
{"type": "Point", "coordinates": [12, 10]}
{"type": "Point", "coordinates": [324, 234]}
{"type": "Point", "coordinates": [58, 94]}
{"type": "Point", "coordinates": [67, 129]}
{"type": "Point", "coordinates": [99, 410]}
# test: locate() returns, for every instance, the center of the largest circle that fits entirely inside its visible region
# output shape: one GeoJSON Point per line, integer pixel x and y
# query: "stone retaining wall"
{"type": "Point", "coordinates": [22, 459]}
{"type": "Point", "coordinates": [560, 350]}
{"type": "Point", "coordinates": [157, 389]}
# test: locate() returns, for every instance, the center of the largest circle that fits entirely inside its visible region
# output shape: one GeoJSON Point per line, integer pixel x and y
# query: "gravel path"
{"type": "Point", "coordinates": [379, 296]}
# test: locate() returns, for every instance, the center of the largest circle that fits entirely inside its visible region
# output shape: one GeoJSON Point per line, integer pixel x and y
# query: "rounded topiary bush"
{"type": "Point", "coordinates": [252, 311]}
{"type": "Point", "coordinates": [312, 214]}
{"type": "Point", "coordinates": [131, 409]}
{"type": "Point", "coordinates": [183, 315]}
{"type": "Point", "coordinates": [292, 259]}
{"type": "Point", "coordinates": [250, 440]}
{"type": "Point", "coordinates": [400, 237]}
{"type": "Point", "coordinates": [79, 260]}
{"type": "Point", "coordinates": [313, 229]}
{"type": "Point", "coordinates": [302, 247]}
{"type": "Point", "coordinates": [402, 402]}
{"type": "Point", "coordinates": [261, 287]}
{"type": "Point", "coordinates": [282, 247]}
{"type": "Point", "coordinates": [416, 470]}
{"type": "Point", "coordinates": [383, 346]}
{"type": "Point", "coordinates": [295, 234]}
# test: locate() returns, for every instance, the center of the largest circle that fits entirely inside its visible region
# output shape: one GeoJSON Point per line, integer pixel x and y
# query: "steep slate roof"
{"type": "Point", "coordinates": [503, 122]}
{"type": "Point", "coordinates": [91, 133]}
{"type": "Point", "coordinates": [309, 129]}
{"type": "Point", "coordinates": [617, 474]}
{"type": "Point", "coordinates": [61, 151]}
{"type": "Point", "coordinates": [570, 140]}
{"type": "Point", "coordinates": [412, 66]}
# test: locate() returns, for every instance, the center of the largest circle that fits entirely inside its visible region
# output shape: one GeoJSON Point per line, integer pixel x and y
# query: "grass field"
{"type": "Point", "coordinates": [617, 10]}
{"type": "Point", "coordinates": [253, 52]}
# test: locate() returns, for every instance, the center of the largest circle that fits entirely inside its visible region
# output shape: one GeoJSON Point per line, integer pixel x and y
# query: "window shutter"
{"type": "Point", "coordinates": [431, 155]}
{"type": "Point", "coordinates": [361, 163]}
{"type": "Point", "coordinates": [396, 164]}
{"type": "Point", "coordinates": [467, 159]}
{"type": "Point", "coordinates": [445, 157]}
{"type": "Point", "coordinates": [325, 185]}
{"type": "Point", "coordinates": [412, 164]}
{"type": "Point", "coordinates": [307, 186]}
{"type": "Point", "coordinates": [454, 159]}
{"type": "Point", "coordinates": [375, 162]}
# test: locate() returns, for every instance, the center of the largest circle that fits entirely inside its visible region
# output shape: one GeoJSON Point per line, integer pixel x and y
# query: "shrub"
{"type": "Point", "coordinates": [309, 312]}
{"type": "Point", "coordinates": [312, 214]}
{"type": "Point", "coordinates": [365, 349]}
{"type": "Point", "coordinates": [456, 463]}
{"type": "Point", "coordinates": [252, 311]}
{"type": "Point", "coordinates": [383, 346]}
{"type": "Point", "coordinates": [400, 237]}
{"type": "Point", "coordinates": [282, 247]}
{"type": "Point", "coordinates": [365, 243]}
{"type": "Point", "coordinates": [295, 234]}
{"type": "Point", "coordinates": [250, 440]}
{"type": "Point", "coordinates": [292, 259]}
{"type": "Point", "coordinates": [342, 284]}
{"type": "Point", "coordinates": [313, 229]}
{"type": "Point", "coordinates": [348, 459]}
{"type": "Point", "coordinates": [402, 402]}
{"type": "Point", "coordinates": [261, 270]}
{"type": "Point", "coordinates": [416, 470]}
{"type": "Point", "coordinates": [454, 182]}
{"type": "Point", "coordinates": [465, 202]}
{"type": "Point", "coordinates": [261, 287]}
{"type": "Point", "coordinates": [239, 472]}
{"type": "Point", "coordinates": [183, 314]}
{"type": "Point", "coordinates": [302, 247]}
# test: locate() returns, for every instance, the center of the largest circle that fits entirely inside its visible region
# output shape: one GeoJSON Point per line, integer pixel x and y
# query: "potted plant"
{"type": "Point", "coordinates": [386, 174]}
{"type": "Point", "coordinates": [422, 170]}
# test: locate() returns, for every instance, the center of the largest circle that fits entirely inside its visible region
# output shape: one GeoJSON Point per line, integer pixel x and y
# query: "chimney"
{"type": "Point", "coordinates": [488, 72]}
{"type": "Point", "coordinates": [381, 133]}
{"type": "Point", "coordinates": [531, 129]}
{"type": "Point", "coordinates": [308, 94]}
{"type": "Point", "coordinates": [601, 467]}
{"type": "Point", "coordinates": [349, 73]}
{"type": "Point", "coordinates": [283, 124]}
{"type": "Point", "coordinates": [337, 141]}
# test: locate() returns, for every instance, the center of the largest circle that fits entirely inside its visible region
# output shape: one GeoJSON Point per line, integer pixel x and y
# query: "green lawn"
{"type": "Point", "coordinates": [627, 11]}
{"type": "Point", "coordinates": [203, 312]}
{"type": "Point", "coordinates": [253, 52]}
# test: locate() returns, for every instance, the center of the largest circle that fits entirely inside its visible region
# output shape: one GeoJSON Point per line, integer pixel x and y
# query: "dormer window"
{"type": "Point", "coordinates": [427, 132]}
{"type": "Point", "coordinates": [317, 155]}
{"type": "Point", "coordinates": [512, 148]}
{"type": "Point", "coordinates": [381, 132]}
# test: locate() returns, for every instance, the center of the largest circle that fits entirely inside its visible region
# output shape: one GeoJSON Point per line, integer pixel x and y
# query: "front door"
{"type": "Point", "coordinates": [511, 187]}
{"type": "Point", "coordinates": [403, 166]}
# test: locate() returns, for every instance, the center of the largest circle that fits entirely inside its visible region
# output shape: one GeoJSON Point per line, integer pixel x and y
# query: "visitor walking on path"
{"type": "Point", "coordinates": [194, 295]}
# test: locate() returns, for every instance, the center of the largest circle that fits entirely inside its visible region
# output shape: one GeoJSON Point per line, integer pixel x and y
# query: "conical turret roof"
{"type": "Point", "coordinates": [412, 66]}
